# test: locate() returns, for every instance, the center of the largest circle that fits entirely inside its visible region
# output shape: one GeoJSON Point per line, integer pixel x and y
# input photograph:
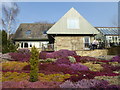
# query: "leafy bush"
{"type": "Point", "coordinates": [23, 57]}
{"type": "Point", "coordinates": [34, 65]}
{"type": "Point", "coordinates": [9, 47]}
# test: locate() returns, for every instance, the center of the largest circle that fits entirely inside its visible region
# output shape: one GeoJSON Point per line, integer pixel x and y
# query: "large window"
{"type": "Point", "coordinates": [26, 45]}
{"type": "Point", "coordinates": [73, 23]}
{"type": "Point", "coordinates": [86, 42]}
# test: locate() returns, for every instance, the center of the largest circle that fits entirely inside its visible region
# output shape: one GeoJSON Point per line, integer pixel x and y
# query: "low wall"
{"type": "Point", "coordinates": [93, 53]}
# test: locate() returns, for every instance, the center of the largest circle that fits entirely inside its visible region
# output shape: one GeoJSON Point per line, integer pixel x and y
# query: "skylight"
{"type": "Point", "coordinates": [28, 32]}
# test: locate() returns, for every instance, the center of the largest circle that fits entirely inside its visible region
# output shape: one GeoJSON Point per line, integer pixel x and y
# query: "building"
{"type": "Point", "coordinates": [72, 32]}
{"type": "Point", "coordinates": [109, 35]}
{"type": "Point", "coordinates": [31, 34]}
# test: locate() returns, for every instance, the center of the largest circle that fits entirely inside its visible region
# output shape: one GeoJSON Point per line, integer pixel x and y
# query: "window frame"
{"type": "Point", "coordinates": [85, 42]}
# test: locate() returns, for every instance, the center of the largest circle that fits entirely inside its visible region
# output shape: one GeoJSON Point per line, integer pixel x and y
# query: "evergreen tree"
{"type": "Point", "coordinates": [34, 64]}
{"type": "Point", "coordinates": [7, 45]}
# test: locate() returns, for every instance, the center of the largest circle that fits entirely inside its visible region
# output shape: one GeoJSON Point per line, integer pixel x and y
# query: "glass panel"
{"type": "Point", "coordinates": [26, 45]}
{"type": "Point", "coordinates": [28, 32]}
{"type": "Point", "coordinates": [21, 45]}
{"type": "Point", "coordinates": [87, 42]}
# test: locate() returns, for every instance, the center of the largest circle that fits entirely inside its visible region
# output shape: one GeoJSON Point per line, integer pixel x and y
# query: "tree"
{"type": "Point", "coordinates": [10, 13]}
{"type": "Point", "coordinates": [7, 45]}
{"type": "Point", "coordinates": [34, 64]}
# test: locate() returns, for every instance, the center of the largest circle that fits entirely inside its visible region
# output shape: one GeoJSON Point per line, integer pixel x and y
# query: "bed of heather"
{"type": "Point", "coordinates": [61, 69]}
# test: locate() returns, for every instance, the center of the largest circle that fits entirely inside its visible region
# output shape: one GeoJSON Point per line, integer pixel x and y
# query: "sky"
{"type": "Point", "coordinates": [99, 14]}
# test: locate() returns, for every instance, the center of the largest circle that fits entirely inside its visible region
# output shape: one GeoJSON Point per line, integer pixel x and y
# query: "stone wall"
{"type": "Point", "coordinates": [70, 42]}
{"type": "Point", "coordinates": [93, 53]}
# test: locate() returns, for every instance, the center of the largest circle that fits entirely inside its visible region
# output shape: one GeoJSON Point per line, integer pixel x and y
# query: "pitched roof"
{"type": "Point", "coordinates": [31, 31]}
{"type": "Point", "coordinates": [83, 27]}
{"type": "Point", "coordinates": [109, 30]}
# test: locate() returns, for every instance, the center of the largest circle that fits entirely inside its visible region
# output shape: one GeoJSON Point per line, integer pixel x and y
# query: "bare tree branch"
{"type": "Point", "coordinates": [9, 17]}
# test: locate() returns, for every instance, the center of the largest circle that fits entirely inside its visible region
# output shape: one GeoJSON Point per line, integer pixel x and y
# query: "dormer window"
{"type": "Point", "coordinates": [45, 32]}
{"type": "Point", "coordinates": [73, 23]}
{"type": "Point", "coordinates": [28, 32]}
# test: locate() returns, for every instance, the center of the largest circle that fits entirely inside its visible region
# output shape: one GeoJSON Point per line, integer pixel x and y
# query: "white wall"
{"type": "Point", "coordinates": [37, 44]}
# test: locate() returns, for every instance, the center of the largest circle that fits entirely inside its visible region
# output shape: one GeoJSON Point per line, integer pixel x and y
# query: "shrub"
{"type": "Point", "coordinates": [42, 55]}
{"type": "Point", "coordinates": [23, 57]}
{"type": "Point", "coordinates": [23, 51]}
{"type": "Point", "coordinates": [114, 63]}
{"type": "Point", "coordinates": [72, 59]}
{"type": "Point", "coordinates": [84, 84]}
{"type": "Point", "coordinates": [63, 53]}
{"type": "Point", "coordinates": [57, 54]}
{"type": "Point", "coordinates": [109, 68]}
{"type": "Point", "coordinates": [106, 74]}
{"type": "Point", "coordinates": [47, 60]}
{"type": "Point", "coordinates": [27, 84]}
{"type": "Point", "coordinates": [77, 58]}
{"type": "Point", "coordinates": [63, 60]}
{"type": "Point", "coordinates": [13, 65]}
{"type": "Point", "coordinates": [34, 65]}
{"type": "Point", "coordinates": [85, 59]}
{"type": "Point", "coordinates": [93, 67]}
{"type": "Point", "coordinates": [82, 75]}
{"type": "Point", "coordinates": [113, 80]}
{"type": "Point", "coordinates": [14, 76]}
{"type": "Point", "coordinates": [7, 45]}
{"type": "Point", "coordinates": [116, 59]}
{"type": "Point", "coordinates": [106, 68]}
{"type": "Point", "coordinates": [53, 77]}
{"type": "Point", "coordinates": [79, 67]}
